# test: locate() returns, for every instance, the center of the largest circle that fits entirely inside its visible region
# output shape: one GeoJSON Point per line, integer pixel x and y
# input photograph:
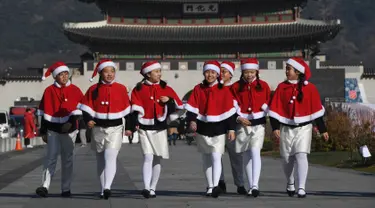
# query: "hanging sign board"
{"type": "Point", "coordinates": [206, 8]}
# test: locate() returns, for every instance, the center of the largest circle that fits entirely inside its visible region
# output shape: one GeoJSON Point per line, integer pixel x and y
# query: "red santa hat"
{"type": "Point", "coordinates": [250, 63]}
{"type": "Point", "coordinates": [101, 65]}
{"type": "Point", "coordinates": [228, 65]}
{"type": "Point", "coordinates": [56, 69]}
{"type": "Point", "coordinates": [150, 66]}
{"type": "Point", "coordinates": [300, 65]}
{"type": "Point", "coordinates": [212, 65]}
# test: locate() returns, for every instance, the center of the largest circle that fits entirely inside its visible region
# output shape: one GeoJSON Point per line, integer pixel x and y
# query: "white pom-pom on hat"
{"type": "Point", "coordinates": [305, 82]}
{"type": "Point", "coordinates": [43, 78]}
{"type": "Point", "coordinates": [291, 101]}
{"type": "Point", "coordinates": [91, 79]}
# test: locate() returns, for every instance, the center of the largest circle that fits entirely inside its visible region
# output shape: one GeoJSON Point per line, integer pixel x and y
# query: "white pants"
{"type": "Point", "coordinates": [59, 144]}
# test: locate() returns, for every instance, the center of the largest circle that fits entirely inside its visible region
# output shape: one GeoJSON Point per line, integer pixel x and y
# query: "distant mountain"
{"type": "Point", "coordinates": [31, 30]}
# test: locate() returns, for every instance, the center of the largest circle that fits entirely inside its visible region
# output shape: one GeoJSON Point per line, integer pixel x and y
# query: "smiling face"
{"type": "Point", "coordinates": [249, 74]}
{"type": "Point", "coordinates": [226, 76]}
{"type": "Point", "coordinates": [154, 76]}
{"type": "Point", "coordinates": [291, 73]}
{"type": "Point", "coordinates": [210, 76]}
{"type": "Point", "coordinates": [62, 78]}
{"type": "Point", "coordinates": [108, 74]}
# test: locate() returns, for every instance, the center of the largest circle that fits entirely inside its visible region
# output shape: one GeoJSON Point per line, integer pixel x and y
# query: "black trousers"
{"type": "Point", "coordinates": [26, 141]}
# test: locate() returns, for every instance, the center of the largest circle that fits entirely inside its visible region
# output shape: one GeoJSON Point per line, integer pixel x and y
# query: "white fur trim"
{"type": "Point", "coordinates": [61, 119]}
{"type": "Point", "coordinates": [109, 116]}
{"type": "Point", "coordinates": [148, 121]}
{"type": "Point", "coordinates": [106, 64]}
{"type": "Point", "coordinates": [296, 65]}
{"type": "Point", "coordinates": [211, 67]}
{"type": "Point", "coordinates": [151, 67]}
{"type": "Point", "coordinates": [205, 118]}
{"type": "Point", "coordinates": [251, 116]}
{"type": "Point", "coordinates": [59, 69]}
{"type": "Point", "coordinates": [264, 107]}
{"type": "Point", "coordinates": [249, 66]}
{"type": "Point", "coordinates": [297, 120]}
{"type": "Point", "coordinates": [228, 67]}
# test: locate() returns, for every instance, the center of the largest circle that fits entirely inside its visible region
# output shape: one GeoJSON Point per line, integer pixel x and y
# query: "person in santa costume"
{"type": "Point", "coordinates": [227, 72]}
{"type": "Point", "coordinates": [59, 126]}
{"type": "Point", "coordinates": [104, 106]}
{"type": "Point", "coordinates": [252, 95]}
{"type": "Point", "coordinates": [153, 102]}
{"type": "Point", "coordinates": [29, 127]}
{"type": "Point", "coordinates": [295, 105]}
{"type": "Point", "coordinates": [211, 110]}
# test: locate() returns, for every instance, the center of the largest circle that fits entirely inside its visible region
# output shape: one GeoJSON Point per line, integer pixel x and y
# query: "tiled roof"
{"type": "Point", "coordinates": [82, 32]}
{"type": "Point", "coordinates": [368, 73]}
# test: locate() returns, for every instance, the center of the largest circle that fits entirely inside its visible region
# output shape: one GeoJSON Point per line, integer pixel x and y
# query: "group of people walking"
{"type": "Point", "coordinates": [223, 115]}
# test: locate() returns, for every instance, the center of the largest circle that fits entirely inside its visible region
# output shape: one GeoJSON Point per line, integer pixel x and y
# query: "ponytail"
{"type": "Point", "coordinates": [138, 87]}
{"type": "Point", "coordinates": [220, 85]}
{"type": "Point", "coordinates": [95, 93]}
{"type": "Point", "coordinates": [258, 87]}
{"type": "Point", "coordinates": [301, 79]}
{"type": "Point", "coordinates": [242, 83]}
{"type": "Point", "coordinates": [163, 84]}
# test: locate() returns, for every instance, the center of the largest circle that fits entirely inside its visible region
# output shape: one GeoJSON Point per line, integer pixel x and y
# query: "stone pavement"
{"type": "Point", "coordinates": [182, 183]}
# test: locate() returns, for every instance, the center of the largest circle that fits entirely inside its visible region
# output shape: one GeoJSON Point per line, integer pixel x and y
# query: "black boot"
{"type": "Point", "coordinates": [289, 191]}
{"type": "Point", "coordinates": [145, 193]}
{"type": "Point", "coordinates": [106, 193]}
{"type": "Point", "coordinates": [41, 191]}
{"type": "Point", "coordinates": [255, 192]}
{"type": "Point", "coordinates": [174, 142]}
{"type": "Point", "coordinates": [216, 192]}
{"type": "Point", "coordinates": [301, 195]}
{"type": "Point", "coordinates": [241, 190]}
{"type": "Point", "coordinates": [152, 193]}
{"type": "Point", "coordinates": [169, 142]}
{"type": "Point", "coordinates": [223, 186]}
{"type": "Point", "coordinates": [66, 194]}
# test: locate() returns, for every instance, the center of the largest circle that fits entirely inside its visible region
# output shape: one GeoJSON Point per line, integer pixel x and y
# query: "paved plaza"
{"type": "Point", "coordinates": [182, 183]}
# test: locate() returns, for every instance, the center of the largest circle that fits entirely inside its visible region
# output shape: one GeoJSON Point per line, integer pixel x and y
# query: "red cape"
{"type": "Point", "coordinates": [253, 104]}
{"type": "Point", "coordinates": [286, 109]}
{"type": "Point", "coordinates": [106, 101]}
{"type": "Point", "coordinates": [211, 104]}
{"type": "Point", "coordinates": [146, 102]}
{"type": "Point", "coordinates": [60, 102]}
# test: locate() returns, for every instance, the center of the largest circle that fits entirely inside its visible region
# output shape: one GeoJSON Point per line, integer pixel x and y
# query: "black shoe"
{"type": "Point", "coordinates": [106, 193]}
{"type": "Point", "coordinates": [152, 195]}
{"type": "Point", "coordinates": [290, 192]}
{"type": "Point", "coordinates": [255, 192]}
{"type": "Point", "coordinates": [216, 191]}
{"type": "Point", "coordinates": [169, 142]}
{"type": "Point", "coordinates": [223, 186]}
{"type": "Point", "coordinates": [241, 190]}
{"type": "Point", "coordinates": [41, 191]}
{"type": "Point", "coordinates": [208, 194]}
{"type": "Point", "coordinates": [174, 142]}
{"type": "Point", "coordinates": [145, 193]}
{"type": "Point", "coordinates": [302, 195]}
{"type": "Point", "coordinates": [66, 194]}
